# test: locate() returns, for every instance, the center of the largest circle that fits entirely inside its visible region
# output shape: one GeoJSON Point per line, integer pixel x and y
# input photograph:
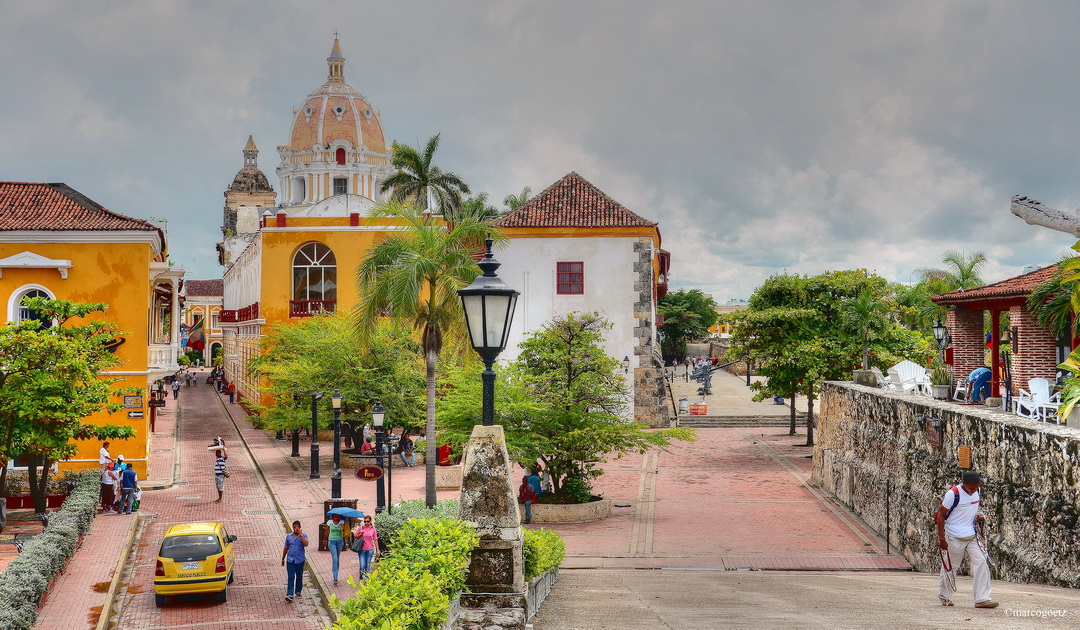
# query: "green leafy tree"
{"type": "Point", "coordinates": [562, 403]}
{"type": "Point", "coordinates": [687, 316]}
{"type": "Point", "coordinates": [793, 332]}
{"type": "Point", "coordinates": [1054, 301]}
{"type": "Point", "coordinates": [513, 202]}
{"type": "Point", "coordinates": [417, 177]}
{"type": "Point", "coordinates": [50, 382]}
{"type": "Point", "coordinates": [914, 308]}
{"type": "Point", "coordinates": [478, 206]}
{"type": "Point", "coordinates": [324, 353]}
{"type": "Point", "coordinates": [412, 277]}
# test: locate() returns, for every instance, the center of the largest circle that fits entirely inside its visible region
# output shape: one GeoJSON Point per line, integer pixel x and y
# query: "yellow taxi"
{"type": "Point", "coordinates": [194, 558]}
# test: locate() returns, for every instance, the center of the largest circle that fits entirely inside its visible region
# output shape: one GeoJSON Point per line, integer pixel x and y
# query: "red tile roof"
{"type": "Point", "coordinates": [215, 288]}
{"type": "Point", "coordinates": [1016, 287]}
{"type": "Point", "coordinates": [58, 207]}
{"type": "Point", "coordinates": [572, 202]}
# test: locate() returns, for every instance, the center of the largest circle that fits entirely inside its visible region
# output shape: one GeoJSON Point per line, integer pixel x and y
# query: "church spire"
{"type": "Point", "coordinates": [336, 62]}
{"type": "Point", "coordinates": [251, 153]}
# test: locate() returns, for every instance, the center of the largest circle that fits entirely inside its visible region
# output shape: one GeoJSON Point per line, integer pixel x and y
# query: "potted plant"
{"type": "Point", "coordinates": [940, 379]}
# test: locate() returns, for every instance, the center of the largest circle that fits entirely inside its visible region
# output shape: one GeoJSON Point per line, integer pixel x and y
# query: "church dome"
{"type": "Point", "coordinates": [250, 178]}
{"type": "Point", "coordinates": [336, 113]}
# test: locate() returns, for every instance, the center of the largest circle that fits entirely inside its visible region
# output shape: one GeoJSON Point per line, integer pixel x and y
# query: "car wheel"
{"type": "Point", "coordinates": [159, 600]}
{"type": "Point", "coordinates": [231, 576]}
{"type": "Point", "coordinates": [223, 596]}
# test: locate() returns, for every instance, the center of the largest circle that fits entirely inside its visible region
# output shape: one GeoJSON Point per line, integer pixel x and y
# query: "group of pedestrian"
{"type": "Point", "coordinates": [365, 544]}
{"type": "Point", "coordinates": [120, 491]}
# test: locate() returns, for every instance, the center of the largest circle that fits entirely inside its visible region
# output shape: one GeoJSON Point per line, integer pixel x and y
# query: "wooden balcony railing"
{"type": "Point", "coordinates": [307, 308]}
{"type": "Point", "coordinates": [251, 311]}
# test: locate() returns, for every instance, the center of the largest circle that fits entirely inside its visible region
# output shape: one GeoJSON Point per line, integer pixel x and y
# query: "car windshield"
{"type": "Point", "coordinates": [190, 547]}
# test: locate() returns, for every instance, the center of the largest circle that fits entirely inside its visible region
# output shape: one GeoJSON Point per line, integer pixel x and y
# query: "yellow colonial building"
{"type": "Point", "coordinates": [203, 300]}
{"type": "Point", "coordinates": [57, 243]}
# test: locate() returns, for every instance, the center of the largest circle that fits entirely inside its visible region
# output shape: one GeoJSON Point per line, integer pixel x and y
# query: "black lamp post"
{"type": "Point", "coordinates": [489, 308]}
{"type": "Point", "coordinates": [335, 478]}
{"type": "Point", "coordinates": [315, 434]}
{"type": "Point", "coordinates": [941, 334]}
{"type": "Point", "coordinates": [377, 416]}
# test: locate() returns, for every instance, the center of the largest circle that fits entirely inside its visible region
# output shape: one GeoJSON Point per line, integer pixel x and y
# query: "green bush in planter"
{"type": "Point", "coordinates": [544, 551]}
{"type": "Point", "coordinates": [26, 579]}
{"type": "Point", "coordinates": [412, 589]}
{"type": "Point", "coordinates": [389, 524]}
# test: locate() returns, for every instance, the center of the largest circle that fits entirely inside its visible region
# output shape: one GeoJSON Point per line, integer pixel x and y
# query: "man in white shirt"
{"type": "Point", "coordinates": [955, 519]}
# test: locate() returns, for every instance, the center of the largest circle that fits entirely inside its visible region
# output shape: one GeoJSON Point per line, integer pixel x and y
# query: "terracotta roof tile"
{"type": "Point", "coordinates": [572, 202]}
{"type": "Point", "coordinates": [58, 207]}
{"type": "Point", "coordinates": [1018, 286]}
{"type": "Point", "coordinates": [204, 287]}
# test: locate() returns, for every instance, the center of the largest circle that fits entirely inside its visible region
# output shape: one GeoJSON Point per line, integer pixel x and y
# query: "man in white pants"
{"type": "Point", "coordinates": [955, 520]}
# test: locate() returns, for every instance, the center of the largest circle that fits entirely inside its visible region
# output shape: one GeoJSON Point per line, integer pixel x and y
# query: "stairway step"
{"type": "Point", "coordinates": [706, 422]}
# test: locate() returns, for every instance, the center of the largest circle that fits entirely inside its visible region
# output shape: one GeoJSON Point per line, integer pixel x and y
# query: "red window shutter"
{"type": "Point", "coordinates": [341, 156]}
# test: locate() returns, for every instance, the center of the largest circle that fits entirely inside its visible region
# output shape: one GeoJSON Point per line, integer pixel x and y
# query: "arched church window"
{"type": "Point", "coordinates": [341, 156]}
{"type": "Point", "coordinates": [315, 273]}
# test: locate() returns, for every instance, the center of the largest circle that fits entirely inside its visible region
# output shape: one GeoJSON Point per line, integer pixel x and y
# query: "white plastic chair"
{"type": "Point", "coordinates": [882, 380]}
{"type": "Point", "coordinates": [912, 376]}
{"type": "Point", "coordinates": [897, 383]}
{"type": "Point", "coordinates": [1039, 404]}
{"type": "Point", "coordinates": [962, 391]}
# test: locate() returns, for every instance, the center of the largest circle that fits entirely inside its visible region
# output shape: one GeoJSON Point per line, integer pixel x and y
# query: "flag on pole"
{"type": "Point", "coordinates": [196, 340]}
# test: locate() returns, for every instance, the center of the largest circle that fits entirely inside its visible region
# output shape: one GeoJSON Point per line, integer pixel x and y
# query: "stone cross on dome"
{"type": "Point", "coordinates": [1035, 213]}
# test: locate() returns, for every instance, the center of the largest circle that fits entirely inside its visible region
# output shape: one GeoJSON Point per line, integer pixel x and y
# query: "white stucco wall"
{"type": "Point", "coordinates": [529, 265]}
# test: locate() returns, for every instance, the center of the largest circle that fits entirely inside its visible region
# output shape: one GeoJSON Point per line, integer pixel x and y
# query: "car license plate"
{"type": "Point", "coordinates": [191, 566]}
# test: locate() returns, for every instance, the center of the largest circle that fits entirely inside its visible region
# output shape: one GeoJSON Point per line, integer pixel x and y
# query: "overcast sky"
{"type": "Point", "coordinates": [762, 136]}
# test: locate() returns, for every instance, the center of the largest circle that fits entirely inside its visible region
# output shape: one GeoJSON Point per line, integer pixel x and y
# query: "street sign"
{"type": "Point", "coordinates": [699, 409]}
{"type": "Point", "coordinates": [157, 403]}
{"type": "Point", "coordinates": [369, 473]}
{"type": "Point", "coordinates": [133, 402]}
{"type": "Point", "coordinates": [135, 414]}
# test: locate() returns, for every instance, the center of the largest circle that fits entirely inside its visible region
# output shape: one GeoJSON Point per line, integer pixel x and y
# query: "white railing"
{"type": "Point", "coordinates": [162, 356]}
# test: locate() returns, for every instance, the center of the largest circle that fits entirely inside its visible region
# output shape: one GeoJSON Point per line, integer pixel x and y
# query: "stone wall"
{"type": "Point", "coordinates": [874, 457]}
{"type": "Point", "coordinates": [650, 404]}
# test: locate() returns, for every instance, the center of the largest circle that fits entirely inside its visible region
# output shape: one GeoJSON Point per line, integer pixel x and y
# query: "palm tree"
{"type": "Point", "coordinates": [418, 179]}
{"type": "Point", "coordinates": [961, 272]}
{"type": "Point", "coordinates": [865, 318]}
{"type": "Point", "coordinates": [915, 311]}
{"type": "Point", "coordinates": [477, 206]}
{"type": "Point", "coordinates": [413, 276]}
{"type": "Point", "coordinates": [512, 202]}
{"type": "Point", "coordinates": [1054, 302]}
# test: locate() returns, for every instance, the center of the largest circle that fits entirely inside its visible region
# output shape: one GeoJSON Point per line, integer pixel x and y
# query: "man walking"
{"type": "Point", "coordinates": [232, 392]}
{"type": "Point", "coordinates": [175, 388]}
{"type": "Point", "coordinates": [128, 481]}
{"type": "Point", "coordinates": [955, 519]}
{"type": "Point", "coordinates": [292, 558]}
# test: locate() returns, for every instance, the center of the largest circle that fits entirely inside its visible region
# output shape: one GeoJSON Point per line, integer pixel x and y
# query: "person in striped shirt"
{"type": "Point", "coordinates": [219, 473]}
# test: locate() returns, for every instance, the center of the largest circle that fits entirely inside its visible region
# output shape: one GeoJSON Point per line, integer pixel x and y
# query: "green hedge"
{"type": "Point", "coordinates": [412, 589]}
{"type": "Point", "coordinates": [389, 525]}
{"type": "Point", "coordinates": [544, 551]}
{"type": "Point", "coordinates": [26, 579]}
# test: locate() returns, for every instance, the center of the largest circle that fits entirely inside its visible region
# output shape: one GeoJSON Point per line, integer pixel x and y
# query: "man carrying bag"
{"type": "Point", "coordinates": [955, 521]}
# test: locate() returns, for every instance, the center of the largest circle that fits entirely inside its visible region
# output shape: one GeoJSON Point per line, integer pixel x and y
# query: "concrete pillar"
{"type": "Point", "coordinates": [489, 503]}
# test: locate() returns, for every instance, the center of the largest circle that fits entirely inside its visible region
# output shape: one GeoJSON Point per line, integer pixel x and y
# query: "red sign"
{"type": "Point", "coordinates": [699, 409]}
{"type": "Point", "coordinates": [369, 473]}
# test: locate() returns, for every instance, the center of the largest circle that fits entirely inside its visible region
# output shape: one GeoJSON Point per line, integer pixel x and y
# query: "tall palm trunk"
{"type": "Point", "coordinates": [429, 435]}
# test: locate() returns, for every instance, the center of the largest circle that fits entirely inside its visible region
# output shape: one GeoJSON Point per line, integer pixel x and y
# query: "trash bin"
{"type": "Point", "coordinates": [324, 531]}
{"type": "Point", "coordinates": [684, 405]}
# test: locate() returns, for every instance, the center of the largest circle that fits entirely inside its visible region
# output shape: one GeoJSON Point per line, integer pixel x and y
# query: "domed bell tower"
{"type": "Point", "coordinates": [249, 191]}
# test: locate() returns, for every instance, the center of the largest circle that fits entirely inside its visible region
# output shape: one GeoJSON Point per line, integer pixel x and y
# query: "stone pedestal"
{"type": "Point", "coordinates": [489, 503]}
{"type": "Point", "coordinates": [864, 377]}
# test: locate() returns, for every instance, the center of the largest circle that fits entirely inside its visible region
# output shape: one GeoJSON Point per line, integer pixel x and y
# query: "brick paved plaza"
{"type": "Point", "coordinates": [700, 516]}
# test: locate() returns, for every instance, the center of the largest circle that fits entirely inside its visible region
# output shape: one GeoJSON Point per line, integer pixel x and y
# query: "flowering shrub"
{"type": "Point", "coordinates": [26, 579]}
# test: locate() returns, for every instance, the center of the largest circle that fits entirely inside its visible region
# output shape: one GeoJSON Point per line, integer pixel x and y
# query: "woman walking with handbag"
{"type": "Point", "coordinates": [335, 540]}
{"type": "Point", "coordinates": [366, 545]}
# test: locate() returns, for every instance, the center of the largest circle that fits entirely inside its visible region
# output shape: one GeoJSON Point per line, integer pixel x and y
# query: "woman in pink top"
{"type": "Point", "coordinates": [370, 546]}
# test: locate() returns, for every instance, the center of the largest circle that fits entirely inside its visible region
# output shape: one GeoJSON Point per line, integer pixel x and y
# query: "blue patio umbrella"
{"type": "Point", "coordinates": [346, 512]}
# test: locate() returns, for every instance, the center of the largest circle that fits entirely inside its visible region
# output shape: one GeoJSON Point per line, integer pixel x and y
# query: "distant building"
{"type": "Point", "coordinates": [721, 330]}
{"type": "Point", "coordinates": [573, 248]}
{"type": "Point", "coordinates": [203, 300]}
{"type": "Point", "coordinates": [57, 243]}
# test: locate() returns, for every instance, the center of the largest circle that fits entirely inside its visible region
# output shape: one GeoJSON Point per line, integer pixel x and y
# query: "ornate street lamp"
{"type": "Point", "coordinates": [489, 308]}
{"type": "Point", "coordinates": [377, 416]}
{"type": "Point", "coordinates": [315, 434]}
{"type": "Point", "coordinates": [335, 478]}
{"type": "Point", "coordinates": [941, 334]}
{"type": "Point", "coordinates": [626, 364]}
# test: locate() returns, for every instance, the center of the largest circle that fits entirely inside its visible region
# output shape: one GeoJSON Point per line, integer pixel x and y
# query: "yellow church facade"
{"type": "Point", "coordinates": [57, 243]}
